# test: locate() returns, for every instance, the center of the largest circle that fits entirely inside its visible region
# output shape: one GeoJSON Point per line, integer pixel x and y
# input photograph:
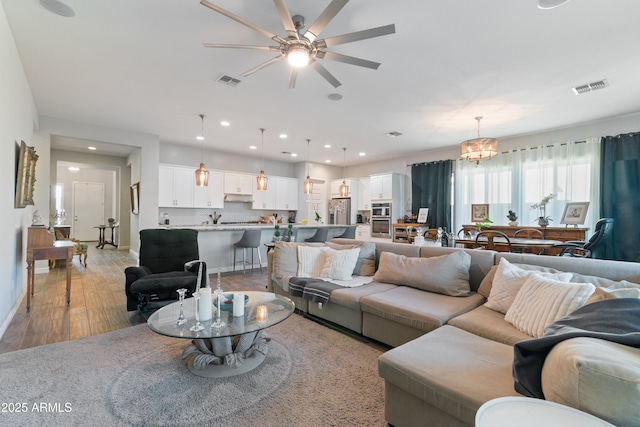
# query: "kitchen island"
{"type": "Point", "coordinates": [216, 241]}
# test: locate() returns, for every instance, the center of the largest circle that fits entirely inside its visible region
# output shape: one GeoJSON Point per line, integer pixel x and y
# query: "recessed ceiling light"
{"type": "Point", "coordinates": [283, 136]}
{"type": "Point", "coordinates": [294, 155]}
{"type": "Point", "coordinates": [252, 147]}
{"type": "Point", "coordinates": [334, 96]}
{"type": "Point", "coordinates": [327, 145]}
{"type": "Point", "coordinates": [225, 123]}
{"type": "Point", "coordinates": [92, 148]}
{"type": "Point", "coordinates": [550, 4]}
{"type": "Point", "coordinates": [362, 154]}
{"type": "Point", "coordinates": [57, 7]}
{"type": "Point", "coordinates": [327, 161]}
{"type": "Point", "coordinates": [200, 138]}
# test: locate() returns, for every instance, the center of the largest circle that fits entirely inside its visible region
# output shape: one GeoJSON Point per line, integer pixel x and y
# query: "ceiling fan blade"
{"type": "Point", "coordinates": [241, 21]}
{"type": "Point", "coordinates": [348, 59]}
{"type": "Point", "coordinates": [325, 17]}
{"type": "Point", "coordinates": [263, 65]}
{"type": "Point", "coordinates": [285, 17]}
{"type": "Point", "coordinates": [356, 36]}
{"type": "Point", "coordinates": [325, 73]}
{"type": "Point", "coordinates": [241, 46]}
{"type": "Point", "coordinates": [292, 77]}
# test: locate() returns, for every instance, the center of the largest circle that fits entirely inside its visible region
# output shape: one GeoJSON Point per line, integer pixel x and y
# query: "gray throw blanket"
{"type": "Point", "coordinates": [616, 320]}
{"type": "Point", "coordinates": [314, 290]}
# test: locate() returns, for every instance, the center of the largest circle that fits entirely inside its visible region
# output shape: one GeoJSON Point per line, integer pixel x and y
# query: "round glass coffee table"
{"type": "Point", "coordinates": [236, 347]}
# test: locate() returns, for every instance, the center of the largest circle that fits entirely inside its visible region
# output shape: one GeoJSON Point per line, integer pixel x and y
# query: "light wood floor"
{"type": "Point", "coordinates": [98, 303]}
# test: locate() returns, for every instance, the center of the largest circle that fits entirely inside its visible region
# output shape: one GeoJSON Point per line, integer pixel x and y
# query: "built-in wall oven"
{"type": "Point", "coordinates": [381, 219]}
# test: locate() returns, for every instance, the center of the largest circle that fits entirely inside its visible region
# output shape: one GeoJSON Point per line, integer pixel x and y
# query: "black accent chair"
{"type": "Point", "coordinates": [165, 265]}
{"type": "Point", "coordinates": [594, 247]}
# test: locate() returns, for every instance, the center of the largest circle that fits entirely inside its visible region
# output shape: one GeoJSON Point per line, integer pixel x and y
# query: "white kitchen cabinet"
{"type": "Point", "coordinates": [351, 183]}
{"type": "Point", "coordinates": [175, 186]}
{"type": "Point", "coordinates": [211, 196]}
{"type": "Point", "coordinates": [384, 186]}
{"type": "Point", "coordinates": [286, 193]}
{"type": "Point", "coordinates": [363, 232]}
{"type": "Point", "coordinates": [265, 199]}
{"type": "Point", "coordinates": [364, 194]}
{"type": "Point", "coordinates": [238, 183]}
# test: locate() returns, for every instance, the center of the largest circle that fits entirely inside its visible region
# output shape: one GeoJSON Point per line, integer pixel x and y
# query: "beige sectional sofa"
{"type": "Point", "coordinates": [451, 354]}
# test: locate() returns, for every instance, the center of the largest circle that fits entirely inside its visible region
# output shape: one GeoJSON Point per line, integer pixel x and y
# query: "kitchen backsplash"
{"type": "Point", "coordinates": [232, 212]}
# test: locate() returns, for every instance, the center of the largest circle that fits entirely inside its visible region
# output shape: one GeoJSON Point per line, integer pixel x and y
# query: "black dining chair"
{"type": "Point", "coordinates": [594, 247]}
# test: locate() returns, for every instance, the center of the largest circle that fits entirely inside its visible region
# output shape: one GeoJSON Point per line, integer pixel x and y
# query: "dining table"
{"type": "Point", "coordinates": [516, 242]}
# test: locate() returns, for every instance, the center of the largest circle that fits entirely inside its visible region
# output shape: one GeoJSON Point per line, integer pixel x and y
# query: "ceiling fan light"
{"type": "Point", "coordinates": [298, 55]}
{"type": "Point", "coordinates": [202, 176]}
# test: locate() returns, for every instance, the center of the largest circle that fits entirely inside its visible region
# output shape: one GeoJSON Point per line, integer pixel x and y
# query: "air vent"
{"type": "Point", "coordinates": [229, 81]}
{"type": "Point", "coordinates": [393, 134]}
{"type": "Point", "coordinates": [589, 87]}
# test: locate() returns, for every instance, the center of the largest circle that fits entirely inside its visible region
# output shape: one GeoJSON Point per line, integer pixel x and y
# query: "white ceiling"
{"type": "Point", "coordinates": [140, 66]}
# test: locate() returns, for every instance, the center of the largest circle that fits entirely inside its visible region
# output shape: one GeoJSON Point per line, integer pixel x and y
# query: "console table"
{"type": "Point", "coordinates": [41, 246]}
{"type": "Point", "coordinates": [101, 238]}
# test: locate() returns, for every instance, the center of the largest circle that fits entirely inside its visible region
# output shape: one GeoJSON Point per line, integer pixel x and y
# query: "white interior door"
{"type": "Point", "coordinates": [317, 200]}
{"type": "Point", "coordinates": [88, 210]}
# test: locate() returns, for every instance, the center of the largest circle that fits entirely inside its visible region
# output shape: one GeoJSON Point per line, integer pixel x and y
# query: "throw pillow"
{"type": "Point", "coordinates": [446, 274]}
{"type": "Point", "coordinates": [285, 258]}
{"type": "Point", "coordinates": [542, 301]}
{"type": "Point", "coordinates": [310, 260]}
{"type": "Point", "coordinates": [507, 282]}
{"type": "Point", "coordinates": [339, 264]}
{"type": "Point", "coordinates": [366, 263]}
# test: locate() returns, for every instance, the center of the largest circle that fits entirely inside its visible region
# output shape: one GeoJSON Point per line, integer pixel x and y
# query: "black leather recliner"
{"type": "Point", "coordinates": [594, 247]}
{"type": "Point", "coordinates": [165, 265]}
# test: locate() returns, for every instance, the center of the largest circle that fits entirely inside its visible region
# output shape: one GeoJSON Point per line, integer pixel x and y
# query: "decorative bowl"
{"type": "Point", "coordinates": [227, 301]}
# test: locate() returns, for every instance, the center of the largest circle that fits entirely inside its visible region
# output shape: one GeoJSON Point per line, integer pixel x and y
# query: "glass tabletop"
{"type": "Point", "coordinates": [262, 310]}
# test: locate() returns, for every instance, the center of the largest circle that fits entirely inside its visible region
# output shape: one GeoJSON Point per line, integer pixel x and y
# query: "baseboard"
{"type": "Point", "coordinates": [7, 320]}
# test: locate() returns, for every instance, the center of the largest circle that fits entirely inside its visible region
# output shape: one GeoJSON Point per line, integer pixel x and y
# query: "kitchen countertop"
{"type": "Point", "coordinates": [234, 227]}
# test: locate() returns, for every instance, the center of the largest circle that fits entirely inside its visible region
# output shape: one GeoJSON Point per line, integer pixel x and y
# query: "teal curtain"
{"type": "Point", "coordinates": [431, 188]}
{"type": "Point", "coordinates": [620, 194]}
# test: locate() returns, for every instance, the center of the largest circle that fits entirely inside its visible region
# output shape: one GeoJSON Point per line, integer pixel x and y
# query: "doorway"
{"type": "Point", "coordinates": [317, 200]}
{"type": "Point", "coordinates": [87, 210]}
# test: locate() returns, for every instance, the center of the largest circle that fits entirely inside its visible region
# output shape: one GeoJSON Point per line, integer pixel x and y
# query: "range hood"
{"type": "Point", "coordinates": [238, 198]}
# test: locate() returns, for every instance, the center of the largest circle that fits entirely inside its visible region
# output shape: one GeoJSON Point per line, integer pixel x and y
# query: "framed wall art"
{"type": "Point", "coordinates": [135, 198]}
{"type": "Point", "coordinates": [25, 175]}
{"type": "Point", "coordinates": [574, 213]}
{"type": "Point", "coordinates": [479, 212]}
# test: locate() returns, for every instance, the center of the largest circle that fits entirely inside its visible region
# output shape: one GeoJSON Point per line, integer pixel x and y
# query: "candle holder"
{"type": "Point", "coordinates": [181, 319]}
{"type": "Point", "coordinates": [262, 313]}
{"type": "Point", "coordinates": [198, 326]}
{"type": "Point", "coordinates": [218, 323]}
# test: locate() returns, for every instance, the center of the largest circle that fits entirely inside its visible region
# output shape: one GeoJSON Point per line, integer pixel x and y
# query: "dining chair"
{"type": "Point", "coordinates": [528, 233]}
{"type": "Point", "coordinates": [431, 234]}
{"type": "Point", "coordinates": [489, 243]}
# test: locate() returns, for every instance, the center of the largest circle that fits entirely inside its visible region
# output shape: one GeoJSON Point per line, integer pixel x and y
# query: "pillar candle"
{"type": "Point", "coordinates": [205, 309]}
{"type": "Point", "coordinates": [238, 304]}
{"type": "Point", "coordinates": [261, 313]}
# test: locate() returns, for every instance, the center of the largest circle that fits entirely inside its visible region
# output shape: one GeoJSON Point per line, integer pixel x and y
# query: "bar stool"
{"type": "Point", "coordinates": [250, 239]}
{"type": "Point", "coordinates": [349, 233]}
{"type": "Point", "coordinates": [320, 236]}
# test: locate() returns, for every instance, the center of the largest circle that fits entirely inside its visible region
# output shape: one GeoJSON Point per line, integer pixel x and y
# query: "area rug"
{"type": "Point", "coordinates": [312, 376]}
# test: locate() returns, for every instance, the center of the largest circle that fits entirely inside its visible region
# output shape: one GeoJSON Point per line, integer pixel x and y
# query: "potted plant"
{"type": "Point", "coordinates": [543, 219]}
{"type": "Point", "coordinates": [486, 223]}
{"type": "Point", "coordinates": [290, 237]}
{"type": "Point", "coordinates": [513, 218]}
{"type": "Point", "coordinates": [276, 235]}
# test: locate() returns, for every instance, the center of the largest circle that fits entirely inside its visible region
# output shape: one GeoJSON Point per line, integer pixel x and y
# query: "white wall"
{"type": "Point", "coordinates": [18, 117]}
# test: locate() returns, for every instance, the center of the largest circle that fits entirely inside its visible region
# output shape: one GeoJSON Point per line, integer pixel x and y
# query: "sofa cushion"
{"type": "Point", "coordinates": [285, 258]}
{"type": "Point", "coordinates": [447, 274]}
{"type": "Point", "coordinates": [542, 301]}
{"type": "Point", "coordinates": [480, 264]}
{"type": "Point", "coordinates": [366, 263]}
{"type": "Point", "coordinates": [350, 297]}
{"type": "Point", "coordinates": [310, 260]}
{"type": "Point", "coordinates": [487, 281]}
{"type": "Point", "coordinates": [339, 265]}
{"type": "Point", "coordinates": [595, 376]}
{"type": "Point", "coordinates": [451, 369]}
{"type": "Point", "coordinates": [507, 282]}
{"type": "Point", "coordinates": [490, 324]}
{"type": "Point", "coordinates": [416, 308]}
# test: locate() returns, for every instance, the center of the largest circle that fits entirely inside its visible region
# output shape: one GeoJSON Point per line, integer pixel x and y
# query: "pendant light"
{"type": "Point", "coordinates": [344, 188]}
{"type": "Point", "coordinates": [308, 185]}
{"type": "Point", "coordinates": [262, 180]}
{"type": "Point", "coordinates": [202, 174]}
{"type": "Point", "coordinates": [479, 149]}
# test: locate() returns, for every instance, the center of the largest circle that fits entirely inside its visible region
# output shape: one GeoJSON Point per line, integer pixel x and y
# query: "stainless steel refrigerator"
{"type": "Point", "coordinates": [340, 211]}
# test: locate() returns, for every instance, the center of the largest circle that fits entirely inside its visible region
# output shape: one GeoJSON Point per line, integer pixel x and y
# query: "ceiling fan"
{"type": "Point", "coordinates": [300, 48]}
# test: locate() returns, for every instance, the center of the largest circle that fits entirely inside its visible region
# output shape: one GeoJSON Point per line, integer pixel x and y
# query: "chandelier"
{"type": "Point", "coordinates": [479, 149]}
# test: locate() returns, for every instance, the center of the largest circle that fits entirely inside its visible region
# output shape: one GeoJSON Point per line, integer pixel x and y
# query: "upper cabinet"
{"type": "Point", "coordinates": [175, 186]}
{"type": "Point", "coordinates": [264, 199]}
{"type": "Point", "coordinates": [351, 183]}
{"type": "Point", "coordinates": [286, 193]}
{"type": "Point", "coordinates": [238, 183]}
{"type": "Point", "coordinates": [364, 196]}
{"type": "Point", "coordinates": [211, 196]}
{"type": "Point", "coordinates": [384, 186]}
